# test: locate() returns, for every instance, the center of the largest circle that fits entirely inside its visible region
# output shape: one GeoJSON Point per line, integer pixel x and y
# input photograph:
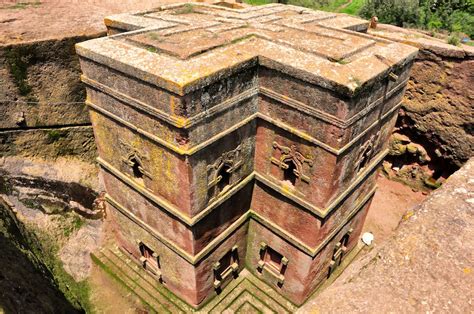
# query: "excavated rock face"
{"type": "Point", "coordinates": [42, 101]}
{"type": "Point", "coordinates": [439, 106]}
{"type": "Point", "coordinates": [425, 268]}
{"type": "Point", "coordinates": [57, 200]}
{"type": "Point", "coordinates": [434, 130]}
{"type": "Point", "coordinates": [26, 285]}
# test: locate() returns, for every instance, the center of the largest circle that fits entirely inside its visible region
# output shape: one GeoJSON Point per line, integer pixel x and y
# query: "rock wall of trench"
{"type": "Point", "coordinates": [44, 121]}
{"type": "Point", "coordinates": [434, 135]}
{"type": "Point", "coordinates": [21, 267]}
{"type": "Point", "coordinates": [50, 222]}
{"type": "Point", "coordinates": [434, 132]}
{"type": "Point", "coordinates": [42, 108]}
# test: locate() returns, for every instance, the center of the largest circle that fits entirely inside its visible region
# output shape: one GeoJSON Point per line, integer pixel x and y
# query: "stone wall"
{"type": "Point", "coordinates": [434, 134]}
{"type": "Point", "coordinates": [42, 101]}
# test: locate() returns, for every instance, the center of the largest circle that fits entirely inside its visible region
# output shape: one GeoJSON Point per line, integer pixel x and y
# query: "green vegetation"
{"type": "Point", "coordinates": [55, 135]}
{"type": "Point", "coordinates": [188, 8]}
{"type": "Point", "coordinates": [22, 5]}
{"type": "Point", "coordinates": [342, 61]}
{"type": "Point", "coordinates": [18, 60]}
{"type": "Point", "coordinates": [71, 222]}
{"type": "Point", "coordinates": [77, 293]}
{"type": "Point", "coordinates": [345, 6]}
{"type": "Point", "coordinates": [455, 16]}
{"type": "Point", "coordinates": [353, 8]}
{"type": "Point", "coordinates": [454, 40]}
{"type": "Point", "coordinates": [42, 247]}
{"type": "Point", "coordinates": [436, 15]}
{"type": "Point", "coordinates": [259, 2]}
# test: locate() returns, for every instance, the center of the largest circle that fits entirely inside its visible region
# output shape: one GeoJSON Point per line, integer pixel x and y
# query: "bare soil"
{"type": "Point", "coordinates": [391, 202]}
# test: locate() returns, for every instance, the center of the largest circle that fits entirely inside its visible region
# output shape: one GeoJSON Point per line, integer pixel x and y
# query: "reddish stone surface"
{"type": "Point", "coordinates": [256, 130]}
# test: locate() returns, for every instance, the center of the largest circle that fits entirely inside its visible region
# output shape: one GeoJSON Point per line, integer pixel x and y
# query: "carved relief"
{"type": "Point", "coordinates": [366, 152]}
{"type": "Point", "coordinates": [220, 173]}
{"type": "Point", "coordinates": [134, 162]}
{"type": "Point", "coordinates": [292, 163]}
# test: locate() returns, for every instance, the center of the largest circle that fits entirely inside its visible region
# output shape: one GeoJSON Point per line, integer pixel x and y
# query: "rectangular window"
{"type": "Point", "coordinates": [273, 259]}
{"type": "Point", "coordinates": [149, 259]}
{"type": "Point", "coordinates": [226, 267]}
{"type": "Point", "coordinates": [272, 263]}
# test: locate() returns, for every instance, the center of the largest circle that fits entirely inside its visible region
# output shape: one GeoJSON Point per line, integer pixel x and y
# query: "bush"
{"type": "Point", "coordinates": [397, 12]}
{"type": "Point", "coordinates": [450, 15]}
{"type": "Point", "coordinates": [454, 40]}
{"type": "Point", "coordinates": [461, 21]}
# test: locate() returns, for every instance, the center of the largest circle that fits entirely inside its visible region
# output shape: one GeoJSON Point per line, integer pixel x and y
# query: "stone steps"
{"type": "Point", "coordinates": [245, 294]}
{"type": "Point", "coordinates": [137, 280]}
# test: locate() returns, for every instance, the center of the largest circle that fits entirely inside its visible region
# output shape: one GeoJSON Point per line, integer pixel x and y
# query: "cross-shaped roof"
{"type": "Point", "coordinates": [182, 47]}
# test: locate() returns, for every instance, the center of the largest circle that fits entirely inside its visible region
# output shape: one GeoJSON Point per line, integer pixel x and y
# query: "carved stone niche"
{"type": "Point", "coordinates": [150, 260]}
{"type": "Point", "coordinates": [366, 152]}
{"type": "Point", "coordinates": [134, 163]}
{"type": "Point", "coordinates": [340, 250]}
{"type": "Point", "coordinates": [272, 264]}
{"type": "Point", "coordinates": [226, 269]}
{"type": "Point", "coordinates": [220, 173]}
{"type": "Point", "coordinates": [292, 163]}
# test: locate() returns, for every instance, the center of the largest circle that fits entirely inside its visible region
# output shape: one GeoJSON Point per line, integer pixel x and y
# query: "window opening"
{"type": "Point", "coordinates": [224, 178]}
{"type": "Point", "coordinates": [340, 250]}
{"type": "Point", "coordinates": [273, 263]}
{"type": "Point", "coordinates": [136, 168]}
{"type": "Point", "coordinates": [273, 259]}
{"type": "Point", "coordinates": [227, 267]}
{"type": "Point", "coordinates": [149, 259]}
{"type": "Point", "coordinates": [289, 174]}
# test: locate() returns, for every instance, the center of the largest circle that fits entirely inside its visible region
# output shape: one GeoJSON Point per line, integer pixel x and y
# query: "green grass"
{"type": "Point", "coordinates": [354, 7]}
{"type": "Point", "coordinates": [75, 223]}
{"type": "Point", "coordinates": [258, 2]}
{"type": "Point", "coordinates": [18, 60]}
{"type": "Point", "coordinates": [22, 5]}
{"type": "Point", "coordinates": [333, 6]}
{"type": "Point", "coordinates": [453, 39]}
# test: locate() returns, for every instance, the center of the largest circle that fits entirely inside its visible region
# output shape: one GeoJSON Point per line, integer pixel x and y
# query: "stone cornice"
{"type": "Point", "coordinates": [268, 181]}
{"type": "Point", "coordinates": [250, 214]}
{"type": "Point", "coordinates": [186, 123]}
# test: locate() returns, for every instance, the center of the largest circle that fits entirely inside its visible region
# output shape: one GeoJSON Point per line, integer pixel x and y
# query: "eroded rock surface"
{"type": "Point", "coordinates": [437, 114]}
{"type": "Point", "coordinates": [57, 200]}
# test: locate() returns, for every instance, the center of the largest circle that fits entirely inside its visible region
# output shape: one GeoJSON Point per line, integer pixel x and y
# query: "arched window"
{"type": "Point", "coordinates": [224, 178]}
{"type": "Point", "coordinates": [137, 170]}
{"type": "Point", "coordinates": [289, 174]}
{"type": "Point", "coordinates": [364, 159]}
